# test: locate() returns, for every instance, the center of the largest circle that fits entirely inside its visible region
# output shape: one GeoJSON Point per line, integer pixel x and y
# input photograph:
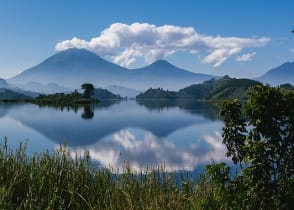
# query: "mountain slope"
{"type": "Point", "coordinates": [72, 67]}
{"type": "Point", "coordinates": [164, 68]}
{"type": "Point", "coordinates": [16, 90]}
{"type": "Point", "coordinates": [44, 88]}
{"type": "Point", "coordinates": [230, 88]}
{"type": "Point", "coordinates": [6, 94]}
{"type": "Point", "coordinates": [165, 75]}
{"type": "Point", "coordinates": [279, 75]}
{"type": "Point", "coordinates": [3, 83]}
{"type": "Point", "coordinates": [123, 91]}
{"type": "Point", "coordinates": [100, 93]}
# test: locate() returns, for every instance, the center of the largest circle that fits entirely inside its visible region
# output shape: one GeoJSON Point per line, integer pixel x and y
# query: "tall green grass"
{"type": "Point", "coordinates": [56, 181]}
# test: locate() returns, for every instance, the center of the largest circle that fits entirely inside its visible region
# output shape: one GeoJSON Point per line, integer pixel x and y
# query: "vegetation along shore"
{"type": "Point", "coordinates": [258, 136]}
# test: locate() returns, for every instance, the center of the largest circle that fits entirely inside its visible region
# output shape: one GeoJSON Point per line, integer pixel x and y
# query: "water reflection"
{"type": "Point", "coordinates": [208, 110]}
{"type": "Point", "coordinates": [152, 151]}
{"type": "Point", "coordinates": [181, 135]}
{"type": "Point", "coordinates": [88, 108]}
{"type": "Point", "coordinates": [68, 127]}
{"type": "Point", "coordinates": [88, 112]}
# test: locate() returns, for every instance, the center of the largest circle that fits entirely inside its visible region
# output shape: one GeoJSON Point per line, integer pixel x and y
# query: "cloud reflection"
{"type": "Point", "coordinates": [153, 152]}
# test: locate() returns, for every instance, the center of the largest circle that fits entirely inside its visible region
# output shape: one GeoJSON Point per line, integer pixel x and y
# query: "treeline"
{"type": "Point", "coordinates": [214, 89]}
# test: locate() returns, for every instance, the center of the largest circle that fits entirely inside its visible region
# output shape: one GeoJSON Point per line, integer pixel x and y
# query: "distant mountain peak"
{"type": "Point", "coordinates": [75, 58]}
{"type": "Point", "coordinates": [161, 64]}
{"type": "Point", "coordinates": [74, 53]}
{"type": "Point", "coordinates": [279, 75]}
{"type": "Point", "coordinates": [76, 50]}
{"type": "Point", "coordinates": [73, 49]}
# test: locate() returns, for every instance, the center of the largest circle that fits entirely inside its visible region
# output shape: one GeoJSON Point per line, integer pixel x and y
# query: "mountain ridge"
{"type": "Point", "coordinates": [72, 67]}
{"type": "Point", "coordinates": [65, 66]}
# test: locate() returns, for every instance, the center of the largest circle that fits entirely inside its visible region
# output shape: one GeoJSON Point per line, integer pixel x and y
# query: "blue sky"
{"type": "Point", "coordinates": [30, 31]}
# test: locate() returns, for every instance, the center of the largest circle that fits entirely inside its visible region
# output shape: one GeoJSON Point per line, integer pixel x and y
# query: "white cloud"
{"type": "Point", "coordinates": [124, 43]}
{"type": "Point", "coordinates": [245, 57]}
{"type": "Point", "coordinates": [153, 152]}
{"type": "Point", "coordinates": [220, 55]}
{"type": "Point", "coordinates": [292, 50]}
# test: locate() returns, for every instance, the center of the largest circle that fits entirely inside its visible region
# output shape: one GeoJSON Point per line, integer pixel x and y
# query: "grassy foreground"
{"type": "Point", "coordinates": [56, 181]}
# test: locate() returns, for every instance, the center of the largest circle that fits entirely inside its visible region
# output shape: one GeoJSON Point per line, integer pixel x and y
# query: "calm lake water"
{"type": "Point", "coordinates": [183, 136]}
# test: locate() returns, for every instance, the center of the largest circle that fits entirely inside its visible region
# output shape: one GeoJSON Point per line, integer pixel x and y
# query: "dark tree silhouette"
{"type": "Point", "coordinates": [88, 89]}
{"type": "Point", "coordinates": [262, 136]}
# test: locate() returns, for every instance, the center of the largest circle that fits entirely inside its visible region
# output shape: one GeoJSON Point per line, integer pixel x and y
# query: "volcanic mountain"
{"type": "Point", "coordinates": [72, 67]}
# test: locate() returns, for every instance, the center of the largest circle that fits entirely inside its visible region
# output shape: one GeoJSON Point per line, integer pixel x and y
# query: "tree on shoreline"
{"type": "Point", "coordinates": [262, 136]}
{"type": "Point", "coordinates": [88, 89]}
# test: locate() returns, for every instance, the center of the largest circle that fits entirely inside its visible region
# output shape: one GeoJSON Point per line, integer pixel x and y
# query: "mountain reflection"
{"type": "Point", "coordinates": [182, 136]}
{"type": "Point", "coordinates": [152, 152]}
{"type": "Point", "coordinates": [68, 127]}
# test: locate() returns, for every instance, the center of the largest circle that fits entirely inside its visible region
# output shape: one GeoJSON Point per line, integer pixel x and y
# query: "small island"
{"type": "Point", "coordinates": [90, 95]}
{"type": "Point", "coordinates": [70, 99]}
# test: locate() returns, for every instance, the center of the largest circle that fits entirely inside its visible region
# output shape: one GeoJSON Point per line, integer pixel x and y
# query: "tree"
{"type": "Point", "coordinates": [88, 89]}
{"type": "Point", "coordinates": [262, 136]}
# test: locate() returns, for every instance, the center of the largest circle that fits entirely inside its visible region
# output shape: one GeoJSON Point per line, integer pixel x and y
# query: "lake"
{"type": "Point", "coordinates": [182, 136]}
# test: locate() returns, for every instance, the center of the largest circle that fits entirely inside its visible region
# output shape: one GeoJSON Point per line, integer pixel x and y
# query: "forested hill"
{"type": "Point", "coordinates": [224, 88]}
{"type": "Point", "coordinates": [228, 88]}
{"type": "Point", "coordinates": [100, 93]}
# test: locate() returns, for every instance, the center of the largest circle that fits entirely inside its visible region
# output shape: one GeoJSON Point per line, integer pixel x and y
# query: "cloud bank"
{"type": "Point", "coordinates": [245, 57]}
{"type": "Point", "coordinates": [124, 44]}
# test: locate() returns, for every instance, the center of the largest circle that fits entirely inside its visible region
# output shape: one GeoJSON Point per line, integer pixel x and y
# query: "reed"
{"type": "Point", "coordinates": [56, 181]}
